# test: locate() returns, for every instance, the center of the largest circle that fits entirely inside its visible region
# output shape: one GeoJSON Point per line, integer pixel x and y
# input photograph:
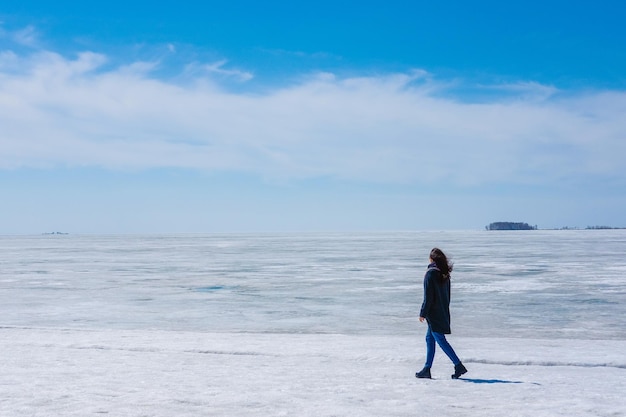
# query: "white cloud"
{"type": "Point", "coordinates": [390, 128]}
{"type": "Point", "coordinates": [27, 36]}
{"type": "Point", "coordinates": [217, 68]}
{"type": "Point", "coordinates": [300, 54]}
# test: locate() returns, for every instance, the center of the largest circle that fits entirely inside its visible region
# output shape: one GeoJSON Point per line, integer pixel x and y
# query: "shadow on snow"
{"type": "Point", "coordinates": [492, 381]}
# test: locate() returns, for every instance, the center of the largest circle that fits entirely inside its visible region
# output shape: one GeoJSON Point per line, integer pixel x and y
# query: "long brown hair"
{"type": "Point", "coordinates": [441, 260]}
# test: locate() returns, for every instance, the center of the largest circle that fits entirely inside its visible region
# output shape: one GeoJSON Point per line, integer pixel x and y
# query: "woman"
{"type": "Point", "coordinates": [436, 311]}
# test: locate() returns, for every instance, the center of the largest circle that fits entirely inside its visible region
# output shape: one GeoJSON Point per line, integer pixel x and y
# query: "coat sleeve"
{"type": "Point", "coordinates": [429, 295]}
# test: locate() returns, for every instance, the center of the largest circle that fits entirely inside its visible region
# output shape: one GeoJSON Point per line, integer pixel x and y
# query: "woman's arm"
{"type": "Point", "coordinates": [429, 296]}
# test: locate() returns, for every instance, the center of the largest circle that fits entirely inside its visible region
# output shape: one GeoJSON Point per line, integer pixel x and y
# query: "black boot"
{"type": "Point", "coordinates": [424, 373]}
{"type": "Point", "coordinates": [459, 370]}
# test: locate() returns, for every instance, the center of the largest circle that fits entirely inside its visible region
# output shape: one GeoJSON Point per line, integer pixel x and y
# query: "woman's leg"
{"type": "Point", "coordinates": [441, 340]}
{"type": "Point", "coordinates": [430, 348]}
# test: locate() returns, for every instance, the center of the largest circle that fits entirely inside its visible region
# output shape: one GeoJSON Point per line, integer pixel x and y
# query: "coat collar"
{"type": "Point", "coordinates": [433, 266]}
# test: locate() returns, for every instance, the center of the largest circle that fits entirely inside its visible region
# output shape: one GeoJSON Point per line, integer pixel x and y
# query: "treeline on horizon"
{"type": "Point", "coordinates": [510, 226]}
{"type": "Point", "coordinates": [594, 228]}
{"type": "Point", "coordinates": [526, 226]}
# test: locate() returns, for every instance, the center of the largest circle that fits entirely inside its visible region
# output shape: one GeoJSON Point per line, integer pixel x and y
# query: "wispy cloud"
{"type": "Point", "coordinates": [390, 128]}
{"type": "Point", "coordinates": [300, 54]}
{"type": "Point", "coordinates": [26, 36]}
{"type": "Point", "coordinates": [218, 68]}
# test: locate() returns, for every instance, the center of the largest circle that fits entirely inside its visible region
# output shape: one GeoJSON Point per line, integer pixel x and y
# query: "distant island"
{"type": "Point", "coordinates": [510, 226]}
{"type": "Point", "coordinates": [55, 233]}
{"type": "Point", "coordinates": [526, 226]}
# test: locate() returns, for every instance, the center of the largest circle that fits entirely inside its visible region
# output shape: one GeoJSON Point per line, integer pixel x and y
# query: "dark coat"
{"type": "Point", "coordinates": [436, 304]}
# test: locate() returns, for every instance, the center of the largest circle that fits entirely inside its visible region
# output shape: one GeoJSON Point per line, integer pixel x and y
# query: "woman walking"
{"type": "Point", "coordinates": [436, 311]}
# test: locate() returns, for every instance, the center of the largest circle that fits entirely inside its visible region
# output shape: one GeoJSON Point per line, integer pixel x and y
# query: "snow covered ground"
{"type": "Point", "coordinates": [80, 372]}
{"type": "Point", "coordinates": [310, 325]}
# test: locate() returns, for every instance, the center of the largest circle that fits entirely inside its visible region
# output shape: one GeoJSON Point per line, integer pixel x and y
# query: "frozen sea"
{"type": "Point", "coordinates": [310, 324]}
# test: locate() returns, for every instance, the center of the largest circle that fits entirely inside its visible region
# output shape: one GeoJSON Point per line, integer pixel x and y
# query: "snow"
{"type": "Point", "coordinates": [82, 372]}
{"type": "Point", "coordinates": [310, 325]}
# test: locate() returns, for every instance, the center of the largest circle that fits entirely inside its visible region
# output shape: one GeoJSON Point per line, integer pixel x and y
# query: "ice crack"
{"type": "Point", "coordinates": [548, 363]}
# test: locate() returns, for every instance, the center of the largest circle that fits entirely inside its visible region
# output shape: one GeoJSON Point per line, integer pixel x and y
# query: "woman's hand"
{"type": "Point", "coordinates": [422, 319]}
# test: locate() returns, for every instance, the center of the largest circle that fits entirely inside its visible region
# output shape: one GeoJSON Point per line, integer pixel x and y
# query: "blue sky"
{"type": "Point", "coordinates": [151, 117]}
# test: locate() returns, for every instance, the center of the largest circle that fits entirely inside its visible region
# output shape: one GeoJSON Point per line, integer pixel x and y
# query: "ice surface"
{"type": "Point", "coordinates": [318, 324]}
{"type": "Point", "coordinates": [70, 372]}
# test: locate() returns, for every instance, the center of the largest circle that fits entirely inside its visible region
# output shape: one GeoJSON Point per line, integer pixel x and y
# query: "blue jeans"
{"type": "Point", "coordinates": [440, 338]}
